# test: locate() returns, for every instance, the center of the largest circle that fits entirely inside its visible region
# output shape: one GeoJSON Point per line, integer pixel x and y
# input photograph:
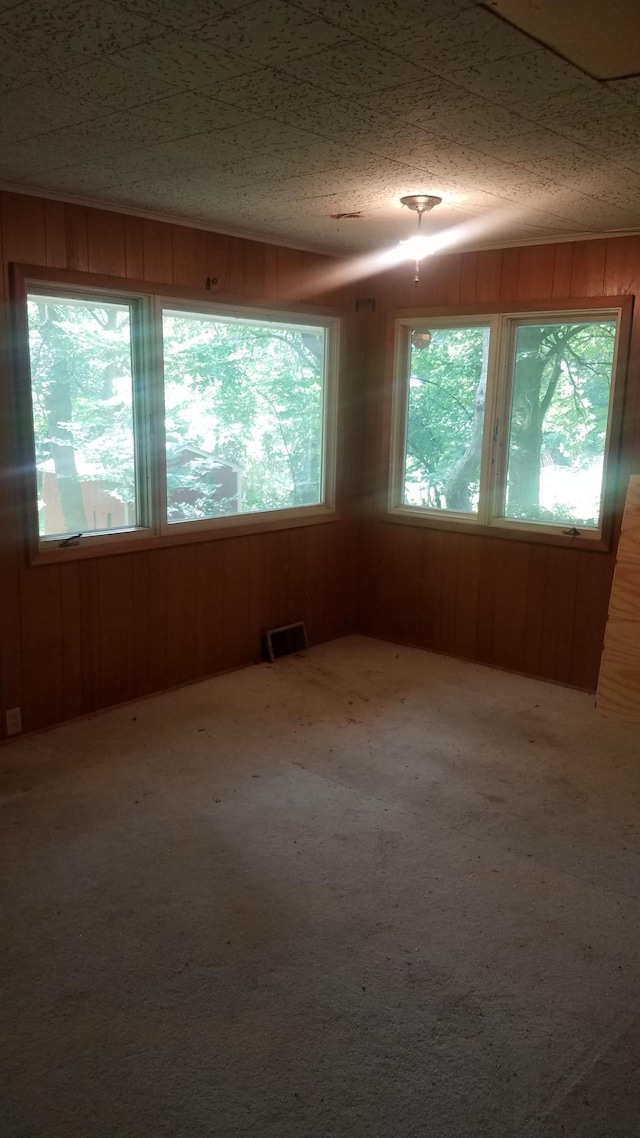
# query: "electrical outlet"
{"type": "Point", "coordinates": [14, 721]}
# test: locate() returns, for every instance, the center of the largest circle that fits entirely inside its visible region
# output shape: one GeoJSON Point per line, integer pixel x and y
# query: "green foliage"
{"type": "Point", "coordinates": [245, 394]}
{"type": "Point", "coordinates": [444, 380]}
{"type": "Point", "coordinates": [558, 420]}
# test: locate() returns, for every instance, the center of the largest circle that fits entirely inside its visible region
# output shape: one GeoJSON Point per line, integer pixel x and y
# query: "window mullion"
{"type": "Point", "coordinates": [156, 416]}
{"type": "Point", "coordinates": [491, 425]}
{"type": "Point", "coordinates": [400, 414]}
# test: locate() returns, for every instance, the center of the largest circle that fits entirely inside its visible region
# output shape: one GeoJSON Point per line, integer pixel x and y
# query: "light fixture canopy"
{"type": "Point", "coordinates": [418, 246]}
{"type": "Point", "coordinates": [421, 203]}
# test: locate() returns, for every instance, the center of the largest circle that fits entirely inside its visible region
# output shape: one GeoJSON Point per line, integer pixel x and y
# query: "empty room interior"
{"type": "Point", "coordinates": [320, 569]}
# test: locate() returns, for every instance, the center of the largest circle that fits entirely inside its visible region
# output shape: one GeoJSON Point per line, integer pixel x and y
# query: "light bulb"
{"type": "Point", "coordinates": [416, 247]}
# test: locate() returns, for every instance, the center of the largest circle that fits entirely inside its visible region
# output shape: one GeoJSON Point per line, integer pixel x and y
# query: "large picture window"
{"type": "Point", "coordinates": [505, 420]}
{"type": "Point", "coordinates": [156, 417]}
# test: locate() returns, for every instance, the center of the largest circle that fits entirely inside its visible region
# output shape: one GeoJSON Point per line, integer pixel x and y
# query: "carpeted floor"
{"type": "Point", "coordinates": [365, 892]}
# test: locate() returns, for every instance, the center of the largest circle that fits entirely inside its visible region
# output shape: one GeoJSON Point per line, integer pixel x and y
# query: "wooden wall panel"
{"type": "Point", "coordinates": [84, 635]}
{"type": "Point", "coordinates": [519, 605]}
{"type": "Point", "coordinates": [184, 612]}
{"type": "Point", "coordinates": [106, 243]}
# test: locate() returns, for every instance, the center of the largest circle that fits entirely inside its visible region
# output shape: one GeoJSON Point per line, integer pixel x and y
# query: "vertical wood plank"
{"type": "Point", "coordinates": [71, 640]}
{"type": "Point", "coordinates": [488, 276]}
{"type": "Point", "coordinates": [23, 229]}
{"type": "Point", "coordinates": [510, 585]}
{"type": "Point", "coordinates": [236, 266]}
{"type": "Point", "coordinates": [105, 243]}
{"type": "Point", "coordinates": [157, 251]}
{"type": "Point", "coordinates": [212, 637]}
{"type": "Point", "coordinates": [593, 587]}
{"type": "Point", "coordinates": [468, 278]}
{"type": "Point", "coordinates": [41, 647]}
{"type": "Point", "coordinates": [90, 617]}
{"type": "Point", "coordinates": [181, 614]}
{"type": "Point", "coordinates": [150, 625]}
{"type": "Point", "coordinates": [75, 217]}
{"type": "Point", "coordinates": [55, 235]}
{"type": "Point", "coordinates": [510, 274]}
{"type": "Point", "coordinates": [238, 622]}
{"type": "Point", "coordinates": [218, 262]}
{"type": "Point", "coordinates": [535, 272]}
{"type": "Point", "coordinates": [467, 603]}
{"type": "Point", "coordinates": [116, 630]}
{"type": "Point", "coordinates": [433, 568]}
{"type": "Point", "coordinates": [254, 269]}
{"type": "Point", "coordinates": [562, 268]}
{"type": "Point", "coordinates": [189, 257]}
{"type": "Point", "coordinates": [587, 270]}
{"type": "Point", "coordinates": [133, 248]}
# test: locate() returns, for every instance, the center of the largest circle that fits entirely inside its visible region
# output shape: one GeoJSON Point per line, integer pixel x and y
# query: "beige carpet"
{"type": "Point", "coordinates": [365, 892]}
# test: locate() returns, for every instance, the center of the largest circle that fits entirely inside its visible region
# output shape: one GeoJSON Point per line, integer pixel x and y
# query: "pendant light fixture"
{"type": "Point", "coordinates": [418, 246]}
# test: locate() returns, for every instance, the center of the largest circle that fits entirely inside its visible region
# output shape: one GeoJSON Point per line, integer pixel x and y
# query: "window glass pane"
{"type": "Point", "coordinates": [558, 426]}
{"type": "Point", "coordinates": [81, 384]}
{"type": "Point", "coordinates": [244, 410]}
{"type": "Point", "coordinates": [447, 391]}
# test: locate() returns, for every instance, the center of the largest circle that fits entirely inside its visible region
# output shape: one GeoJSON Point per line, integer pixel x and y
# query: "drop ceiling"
{"type": "Point", "coordinates": [267, 118]}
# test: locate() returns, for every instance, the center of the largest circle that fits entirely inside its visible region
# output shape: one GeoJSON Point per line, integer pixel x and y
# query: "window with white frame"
{"type": "Point", "coordinates": [505, 420]}
{"type": "Point", "coordinates": [155, 416]}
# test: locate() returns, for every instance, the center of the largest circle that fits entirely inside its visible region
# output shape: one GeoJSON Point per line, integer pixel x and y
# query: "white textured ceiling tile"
{"type": "Point", "coordinates": [183, 62]}
{"type": "Point", "coordinates": [377, 21]}
{"type": "Point", "coordinates": [256, 89]}
{"type": "Point", "coordinates": [427, 98]}
{"type": "Point", "coordinates": [82, 178]}
{"type": "Point", "coordinates": [34, 110]}
{"type": "Point", "coordinates": [24, 61]}
{"type": "Point", "coordinates": [355, 69]}
{"type": "Point", "coordinates": [180, 14]}
{"type": "Point", "coordinates": [628, 89]}
{"type": "Point", "coordinates": [628, 156]}
{"type": "Point", "coordinates": [257, 170]}
{"type": "Point", "coordinates": [55, 150]}
{"type": "Point", "coordinates": [534, 143]}
{"type": "Point", "coordinates": [598, 120]}
{"type": "Point", "coordinates": [189, 112]}
{"type": "Point", "coordinates": [194, 153]}
{"type": "Point", "coordinates": [107, 83]}
{"type": "Point", "coordinates": [266, 136]}
{"type": "Point", "coordinates": [398, 141]}
{"type": "Point", "coordinates": [270, 116]}
{"type": "Point", "coordinates": [521, 81]}
{"type": "Point", "coordinates": [81, 28]}
{"type": "Point", "coordinates": [479, 123]}
{"type": "Point", "coordinates": [470, 38]}
{"type": "Point", "coordinates": [271, 31]}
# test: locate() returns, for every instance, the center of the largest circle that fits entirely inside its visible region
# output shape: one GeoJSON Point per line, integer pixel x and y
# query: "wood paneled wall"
{"type": "Point", "coordinates": [84, 635]}
{"type": "Point", "coordinates": [80, 636]}
{"type": "Point", "coordinates": [530, 608]}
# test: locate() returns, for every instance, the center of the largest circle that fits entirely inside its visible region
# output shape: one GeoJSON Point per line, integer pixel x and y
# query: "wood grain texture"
{"type": "Point", "coordinates": [618, 692]}
{"type": "Point", "coordinates": [80, 636]}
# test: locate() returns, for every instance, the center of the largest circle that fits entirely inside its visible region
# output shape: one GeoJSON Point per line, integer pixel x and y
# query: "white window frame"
{"type": "Point", "coordinates": [149, 421]}
{"type": "Point", "coordinates": [495, 442]}
{"type": "Point", "coordinates": [329, 410]}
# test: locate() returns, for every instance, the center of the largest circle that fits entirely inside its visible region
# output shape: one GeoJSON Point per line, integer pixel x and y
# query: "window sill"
{"type": "Point", "coordinates": [596, 544]}
{"type": "Point", "coordinates": [137, 541]}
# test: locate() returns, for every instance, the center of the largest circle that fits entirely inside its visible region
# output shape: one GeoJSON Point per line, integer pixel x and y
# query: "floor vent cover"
{"type": "Point", "coordinates": [286, 640]}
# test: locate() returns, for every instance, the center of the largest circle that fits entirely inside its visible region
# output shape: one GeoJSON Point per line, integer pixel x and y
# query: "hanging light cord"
{"type": "Point", "coordinates": [416, 279]}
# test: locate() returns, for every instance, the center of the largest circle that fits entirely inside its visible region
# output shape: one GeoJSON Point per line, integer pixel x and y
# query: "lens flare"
{"type": "Point", "coordinates": [466, 235]}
